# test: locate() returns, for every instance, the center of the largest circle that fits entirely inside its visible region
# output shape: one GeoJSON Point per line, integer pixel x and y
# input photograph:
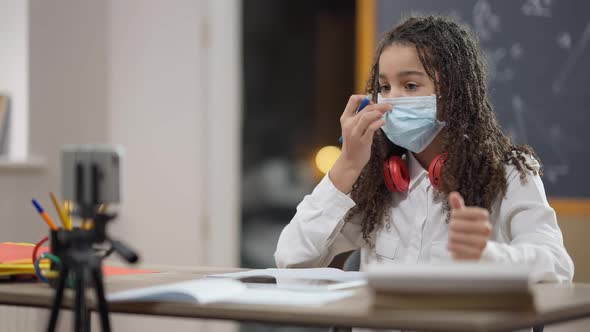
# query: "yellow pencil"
{"type": "Point", "coordinates": [60, 212]}
{"type": "Point", "coordinates": [103, 208]}
{"type": "Point", "coordinates": [89, 224]}
{"type": "Point", "coordinates": [67, 207]}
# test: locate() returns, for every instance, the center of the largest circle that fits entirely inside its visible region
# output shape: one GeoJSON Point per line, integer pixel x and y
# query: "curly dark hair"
{"type": "Point", "coordinates": [478, 150]}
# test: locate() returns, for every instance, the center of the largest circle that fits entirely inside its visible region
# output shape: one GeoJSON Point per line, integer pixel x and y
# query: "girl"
{"type": "Point", "coordinates": [468, 192]}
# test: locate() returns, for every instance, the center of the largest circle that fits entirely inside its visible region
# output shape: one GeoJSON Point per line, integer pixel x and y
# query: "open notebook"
{"type": "Point", "coordinates": [226, 291]}
{"type": "Point", "coordinates": [307, 279]}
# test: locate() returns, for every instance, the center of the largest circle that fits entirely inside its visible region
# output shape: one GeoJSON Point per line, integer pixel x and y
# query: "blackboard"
{"type": "Point", "coordinates": [539, 75]}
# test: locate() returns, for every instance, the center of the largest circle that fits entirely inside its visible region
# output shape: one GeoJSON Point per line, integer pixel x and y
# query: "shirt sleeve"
{"type": "Point", "coordinates": [318, 232]}
{"type": "Point", "coordinates": [532, 227]}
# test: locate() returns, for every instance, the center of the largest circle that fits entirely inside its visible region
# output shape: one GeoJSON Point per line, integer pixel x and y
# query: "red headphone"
{"type": "Point", "coordinates": [397, 178]}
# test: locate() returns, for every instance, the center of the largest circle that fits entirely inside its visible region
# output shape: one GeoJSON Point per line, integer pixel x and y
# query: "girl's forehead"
{"type": "Point", "coordinates": [397, 58]}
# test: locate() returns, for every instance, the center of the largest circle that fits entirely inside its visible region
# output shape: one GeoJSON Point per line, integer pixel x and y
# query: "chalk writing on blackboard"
{"type": "Point", "coordinates": [516, 51]}
{"type": "Point", "coordinates": [564, 40]}
{"type": "Point", "coordinates": [484, 20]}
{"type": "Point", "coordinates": [498, 72]}
{"type": "Point", "coordinates": [572, 60]}
{"type": "Point", "coordinates": [518, 131]}
{"type": "Point", "coordinates": [551, 135]}
{"type": "Point", "coordinates": [539, 8]}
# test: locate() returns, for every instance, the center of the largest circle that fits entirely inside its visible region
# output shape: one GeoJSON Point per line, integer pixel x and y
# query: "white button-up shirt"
{"type": "Point", "coordinates": [525, 229]}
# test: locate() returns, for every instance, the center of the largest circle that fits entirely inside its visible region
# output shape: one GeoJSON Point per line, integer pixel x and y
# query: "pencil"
{"type": "Point", "coordinates": [44, 215]}
{"type": "Point", "coordinates": [68, 211]}
{"type": "Point", "coordinates": [89, 224]}
{"type": "Point", "coordinates": [60, 212]}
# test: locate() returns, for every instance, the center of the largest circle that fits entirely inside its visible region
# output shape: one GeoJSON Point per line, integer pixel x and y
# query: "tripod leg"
{"type": "Point", "coordinates": [88, 320]}
{"type": "Point", "coordinates": [59, 292]}
{"type": "Point", "coordinates": [103, 308]}
{"type": "Point", "coordinates": [80, 322]}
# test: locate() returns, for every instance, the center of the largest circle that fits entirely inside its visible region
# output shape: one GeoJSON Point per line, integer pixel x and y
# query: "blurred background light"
{"type": "Point", "coordinates": [326, 157]}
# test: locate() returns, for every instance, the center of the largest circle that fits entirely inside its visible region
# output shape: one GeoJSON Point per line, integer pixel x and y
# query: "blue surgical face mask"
{"type": "Point", "coordinates": [412, 122]}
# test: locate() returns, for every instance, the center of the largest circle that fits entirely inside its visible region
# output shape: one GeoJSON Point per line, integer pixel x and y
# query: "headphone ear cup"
{"type": "Point", "coordinates": [395, 172]}
{"type": "Point", "coordinates": [435, 170]}
{"type": "Point", "coordinates": [387, 176]}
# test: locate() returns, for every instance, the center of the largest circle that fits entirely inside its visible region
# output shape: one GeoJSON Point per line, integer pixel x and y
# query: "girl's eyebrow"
{"type": "Point", "coordinates": [404, 73]}
{"type": "Point", "coordinates": [410, 72]}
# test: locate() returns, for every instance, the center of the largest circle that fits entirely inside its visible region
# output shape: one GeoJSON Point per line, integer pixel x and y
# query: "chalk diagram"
{"type": "Point", "coordinates": [537, 8]}
{"type": "Point", "coordinates": [503, 64]}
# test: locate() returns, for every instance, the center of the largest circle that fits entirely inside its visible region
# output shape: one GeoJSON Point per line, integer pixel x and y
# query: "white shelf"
{"type": "Point", "coordinates": [32, 163]}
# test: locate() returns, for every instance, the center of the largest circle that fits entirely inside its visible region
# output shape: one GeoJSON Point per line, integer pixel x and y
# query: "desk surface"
{"type": "Point", "coordinates": [555, 303]}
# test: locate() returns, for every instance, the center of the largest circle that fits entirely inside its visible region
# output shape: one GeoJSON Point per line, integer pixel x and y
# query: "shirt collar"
{"type": "Point", "coordinates": [417, 172]}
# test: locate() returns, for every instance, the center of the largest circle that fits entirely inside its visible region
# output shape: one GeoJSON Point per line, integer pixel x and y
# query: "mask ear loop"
{"type": "Point", "coordinates": [439, 108]}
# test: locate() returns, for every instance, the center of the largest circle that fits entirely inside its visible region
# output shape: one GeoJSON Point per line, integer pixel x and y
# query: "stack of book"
{"type": "Point", "coordinates": [452, 286]}
{"type": "Point", "coordinates": [16, 260]}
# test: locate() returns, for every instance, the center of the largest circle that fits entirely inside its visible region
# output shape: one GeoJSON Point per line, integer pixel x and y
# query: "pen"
{"type": "Point", "coordinates": [364, 103]}
{"type": "Point", "coordinates": [60, 212]}
{"type": "Point", "coordinates": [44, 215]}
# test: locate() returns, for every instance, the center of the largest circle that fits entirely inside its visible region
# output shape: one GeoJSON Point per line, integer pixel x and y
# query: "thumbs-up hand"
{"type": "Point", "coordinates": [469, 229]}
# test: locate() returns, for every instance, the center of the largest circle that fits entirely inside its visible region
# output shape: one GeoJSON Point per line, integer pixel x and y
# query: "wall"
{"type": "Point", "coordinates": [576, 231]}
{"type": "Point", "coordinates": [14, 80]}
{"type": "Point", "coordinates": [137, 73]}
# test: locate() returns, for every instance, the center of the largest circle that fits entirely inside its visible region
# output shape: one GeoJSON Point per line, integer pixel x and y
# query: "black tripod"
{"type": "Point", "coordinates": [75, 248]}
{"type": "Point", "coordinates": [83, 264]}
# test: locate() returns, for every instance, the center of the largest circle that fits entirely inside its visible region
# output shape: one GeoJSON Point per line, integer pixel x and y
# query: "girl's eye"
{"type": "Point", "coordinates": [383, 88]}
{"type": "Point", "coordinates": [411, 86]}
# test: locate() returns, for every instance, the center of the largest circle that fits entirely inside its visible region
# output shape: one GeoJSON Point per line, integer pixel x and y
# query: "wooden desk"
{"type": "Point", "coordinates": [555, 303]}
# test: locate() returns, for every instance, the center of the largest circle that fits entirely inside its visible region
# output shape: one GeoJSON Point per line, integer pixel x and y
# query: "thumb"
{"type": "Point", "coordinates": [456, 201]}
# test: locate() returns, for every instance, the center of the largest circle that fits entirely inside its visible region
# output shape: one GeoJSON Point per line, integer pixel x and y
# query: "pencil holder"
{"type": "Point", "coordinates": [54, 246]}
{"type": "Point", "coordinates": [73, 248]}
{"type": "Point", "coordinates": [58, 247]}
